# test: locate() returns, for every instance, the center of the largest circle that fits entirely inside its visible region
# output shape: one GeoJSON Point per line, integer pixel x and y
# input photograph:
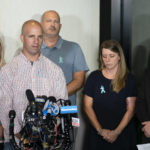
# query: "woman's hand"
{"type": "Point", "coordinates": [105, 134]}
{"type": "Point", "coordinates": [109, 135]}
{"type": "Point", "coordinates": [112, 136]}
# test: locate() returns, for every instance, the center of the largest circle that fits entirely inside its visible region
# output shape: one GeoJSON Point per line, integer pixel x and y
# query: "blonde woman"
{"type": "Point", "coordinates": [1, 64]}
{"type": "Point", "coordinates": [109, 101]}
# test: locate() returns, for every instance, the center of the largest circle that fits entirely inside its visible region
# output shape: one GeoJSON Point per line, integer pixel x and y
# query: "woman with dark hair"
{"type": "Point", "coordinates": [109, 102]}
{"type": "Point", "coordinates": [1, 64]}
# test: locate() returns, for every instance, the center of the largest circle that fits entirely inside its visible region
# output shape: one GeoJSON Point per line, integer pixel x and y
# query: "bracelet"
{"type": "Point", "coordinates": [116, 132]}
{"type": "Point", "coordinates": [100, 132]}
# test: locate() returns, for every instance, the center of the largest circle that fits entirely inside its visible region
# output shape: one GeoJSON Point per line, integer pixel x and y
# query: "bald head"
{"type": "Point", "coordinates": [30, 23]}
{"type": "Point", "coordinates": [31, 37]}
{"type": "Point", "coordinates": [53, 12]}
{"type": "Point", "coordinates": [50, 22]}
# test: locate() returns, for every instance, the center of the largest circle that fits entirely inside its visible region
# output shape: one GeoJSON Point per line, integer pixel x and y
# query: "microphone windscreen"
{"type": "Point", "coordinates": [52, 99]}
{"type": "Point", "coordinates": [30, 95]}
{"type": "Point", "coordinates": [12, 114]}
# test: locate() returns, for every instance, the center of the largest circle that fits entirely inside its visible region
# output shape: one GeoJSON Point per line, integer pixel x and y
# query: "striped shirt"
{"type": "Point", "coordinates": [43, 77]}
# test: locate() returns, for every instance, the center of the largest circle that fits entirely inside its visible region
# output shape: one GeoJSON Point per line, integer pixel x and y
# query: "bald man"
{"type": "Point", "coordinates": [28, 70]}
{"type": "Point", "coordinates": [68, 55]}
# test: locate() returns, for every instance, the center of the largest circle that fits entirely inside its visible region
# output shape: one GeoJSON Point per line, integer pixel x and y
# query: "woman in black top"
{"type": "Point", "coordinates": [109, 101]}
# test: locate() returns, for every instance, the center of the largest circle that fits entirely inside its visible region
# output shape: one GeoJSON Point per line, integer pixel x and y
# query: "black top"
{"type": "Point", "coordinates": [110, 108]}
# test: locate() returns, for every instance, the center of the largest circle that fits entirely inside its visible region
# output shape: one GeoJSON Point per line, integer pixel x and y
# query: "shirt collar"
{"type": "Point", "coordinates": [23, 57]}
{"type": "Point", "coordinates": [57, 46]}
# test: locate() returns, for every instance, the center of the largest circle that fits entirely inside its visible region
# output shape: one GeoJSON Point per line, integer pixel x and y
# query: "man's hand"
{"type": "Point", "coordinates": [146, 128]}
{"type": "Point", "coordinates": [18, 135]}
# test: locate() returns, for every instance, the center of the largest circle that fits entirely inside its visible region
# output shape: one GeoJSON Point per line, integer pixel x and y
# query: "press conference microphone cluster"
{"type": "Point", "coordinates": [41, 120]}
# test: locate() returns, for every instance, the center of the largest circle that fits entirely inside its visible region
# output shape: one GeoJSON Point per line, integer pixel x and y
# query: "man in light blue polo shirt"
{"type": "Point", "coordinates": [68, 55]}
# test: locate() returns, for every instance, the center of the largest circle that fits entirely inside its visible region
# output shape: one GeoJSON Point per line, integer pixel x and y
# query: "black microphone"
{"type": "Point", "coordinates": [31, 100]}
{"type": "Point", "coordinates": [30, 95]}
{"type": "Point", "coordinates": [52, 99]}
{"type": "Point", "coordinates": [12, 115]}
{"type": "Point", "coordinates": [67, 103]}
{"type": "Point", "coordinates": [40, 102]}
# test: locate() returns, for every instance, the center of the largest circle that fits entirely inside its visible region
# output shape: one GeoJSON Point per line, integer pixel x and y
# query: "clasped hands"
{"type": "Point", "coordinates": [109, 135]}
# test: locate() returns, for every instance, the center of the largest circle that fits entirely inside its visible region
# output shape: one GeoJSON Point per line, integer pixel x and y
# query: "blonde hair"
{"type": "Point", "coordinates": [119, 81]}
{"type": "Point", "coordinates": [2, 61]}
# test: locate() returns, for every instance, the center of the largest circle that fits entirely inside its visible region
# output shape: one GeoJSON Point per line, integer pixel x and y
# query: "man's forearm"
{"type": "Point", "coordinates": [76, 83]}
{"type": "Point", "coordinates": [73, 87]}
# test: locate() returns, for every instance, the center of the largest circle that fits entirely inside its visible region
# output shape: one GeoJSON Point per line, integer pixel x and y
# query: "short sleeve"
{"type": "Point", "coordinates": [131, 86]}
{"type": "Point", "coordinates": [89, 86]}
{"type": "Point", "coordinates": [79, 60]}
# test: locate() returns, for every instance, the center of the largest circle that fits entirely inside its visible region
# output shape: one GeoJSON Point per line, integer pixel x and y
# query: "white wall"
{"type": "Point", "coordinates": [80, 20]}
